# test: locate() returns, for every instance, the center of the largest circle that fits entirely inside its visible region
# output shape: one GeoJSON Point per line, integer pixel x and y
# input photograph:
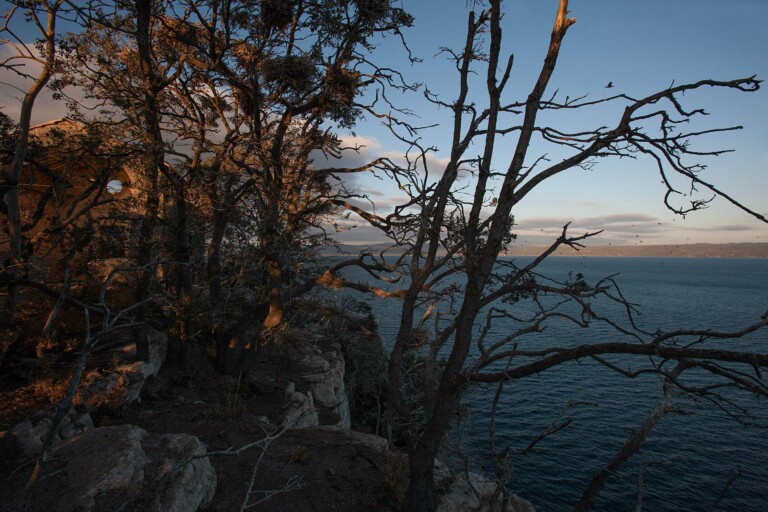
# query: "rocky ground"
{"type": "Point", "coordinates": [279, 438]}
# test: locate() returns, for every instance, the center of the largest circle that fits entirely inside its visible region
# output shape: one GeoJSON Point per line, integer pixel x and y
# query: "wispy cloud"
{"type": "Point", "coordinates": [356, 151]}
{"type": "Point", "coordinates": [620, 228]}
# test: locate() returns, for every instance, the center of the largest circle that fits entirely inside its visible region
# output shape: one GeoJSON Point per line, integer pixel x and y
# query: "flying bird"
{"type": "Point", "coordinates": [609, 86]}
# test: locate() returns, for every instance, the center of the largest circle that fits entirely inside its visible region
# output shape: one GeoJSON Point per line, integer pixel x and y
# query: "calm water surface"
{"type": "Point", "coordinates": [687, 459]}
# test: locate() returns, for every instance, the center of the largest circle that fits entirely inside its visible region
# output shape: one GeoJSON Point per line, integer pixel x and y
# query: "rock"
{"type": "Point", "coordinates": [326, 401]}
{"type": "Point", "coordinates": [314, 363]}
{"type": "Point", "coordinates": [475, 493]}
{"type": "Point", "coordinates": [518, 504]}
{"type": "Point", "coordinates": [301, 411]}
{"type": "Point", "coordinates": [114, 389]}
{"type": "Point", "coordinates": [30, 434]}
{"type": "Point", "coordinates": [442, 477]}
{"type": "Point", "coordinates": [158, 350]}
{"type": "Point", "coordinates": [325, 376]}
{"type": "Point", "coordinates": [102, 468]}
{"type": "Point", "coordinates": [193, 486]}
{"type": "Point", "coordinates": [101, 460]}
{"type": "Point", "coordinates": [122, 386]}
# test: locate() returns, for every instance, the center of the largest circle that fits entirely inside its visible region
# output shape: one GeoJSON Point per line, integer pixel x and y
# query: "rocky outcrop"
{"type": "Point", "coordinates": [29, 435]}
{"type": "Point", "coordinates": [105, 467]}
{"type": "Point", "coordinates": [324, 373]}
{"type": "Point", "coordinates": [300, 409]}
{"type": "Point", "coordinates": [317, 395]}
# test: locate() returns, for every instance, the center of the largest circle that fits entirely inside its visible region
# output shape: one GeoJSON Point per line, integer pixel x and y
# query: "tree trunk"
{"type": "Point", "coordinates": [14, 259]}
{"type": "Point", "coordinates": [155, 160]}
{"type": "Point", "coordinates": [13, 173]}
{"type": "Point", "coordinates": [421, 460]}
{"type": "Point", "coordinates": [274, 293]}
{"type": "Point", "coordinates": [181, 270]}
{"type": "Point", "coordinates": [423, 453]}
{"type": "Point", "coordinates": [215, 293]}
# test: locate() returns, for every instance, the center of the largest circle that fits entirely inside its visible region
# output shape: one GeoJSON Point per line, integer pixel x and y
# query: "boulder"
{"type": "Point", "coordinates": [104, 467]}
{"type": "Point", "coordinates": [29, 435]}
{"type": "Point", "coordinates": [158, 350]}
{"type": "Point", "coordinates": [101, 460]}
{"type": "Point", "coordinates": [193, 485]}
{"type": "Point", "coordinates": [442, 477]}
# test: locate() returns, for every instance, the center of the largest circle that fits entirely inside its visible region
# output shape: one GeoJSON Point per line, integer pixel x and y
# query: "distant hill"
{"type": "Point", "coordinates": [742, 250]}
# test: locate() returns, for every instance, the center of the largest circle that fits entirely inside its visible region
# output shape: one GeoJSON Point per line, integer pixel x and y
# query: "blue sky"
{"type": "Point", "coordinates": [640, 47]}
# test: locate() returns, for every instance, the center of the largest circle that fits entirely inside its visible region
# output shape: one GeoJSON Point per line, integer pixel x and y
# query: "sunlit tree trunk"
{"type": "Point", "coordinates": [274, 293]}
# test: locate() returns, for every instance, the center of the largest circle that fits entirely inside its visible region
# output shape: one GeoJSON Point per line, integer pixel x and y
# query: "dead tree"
{"type": "Point", "coordinates": [454, 231]}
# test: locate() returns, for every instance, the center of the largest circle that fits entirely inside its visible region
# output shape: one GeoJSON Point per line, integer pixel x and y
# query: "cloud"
{"type": "Point", "coordinates": [381, 205]}
{"type": "Point", "coordinates": [13, 87]}
{"type": "Point", "coordinates": [621, 218]}
{"type": "Point", "coordinates": [356, 151]}
{"type": "Point", "coordinates": [358, 233]}
{"type": "Point", "coordinates": [370, 192]}
{"type": "Point", "coordinates": [638, 220]}
{"type": "Point", "coordinates": [428, 164]}
{"type": "Point", "coordinates": [732, 227]}
{"type": "Point", "coordinates": [624, 228]}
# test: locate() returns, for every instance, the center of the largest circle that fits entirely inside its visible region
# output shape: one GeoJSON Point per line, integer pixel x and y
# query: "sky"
{"type": "Point", "coordinates": [641, 47]}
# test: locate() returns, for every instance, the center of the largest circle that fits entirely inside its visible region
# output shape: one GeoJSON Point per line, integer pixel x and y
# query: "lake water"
{"type": "Point", "coordinates": [687, 460]}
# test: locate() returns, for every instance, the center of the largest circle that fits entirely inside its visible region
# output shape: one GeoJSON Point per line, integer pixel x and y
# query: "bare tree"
{"type": "Point", "coordinates": [453, 233]}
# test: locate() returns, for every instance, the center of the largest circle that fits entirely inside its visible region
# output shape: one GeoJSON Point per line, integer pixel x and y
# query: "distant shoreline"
{"type": "Point", "coordinates": [697, 250]}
